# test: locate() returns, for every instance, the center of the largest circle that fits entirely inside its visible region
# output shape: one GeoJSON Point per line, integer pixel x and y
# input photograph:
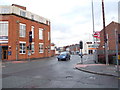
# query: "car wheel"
{"type": "Point", "coordinates": [58, 59]}
{"type": "Point", "coordinates": [67, 58]}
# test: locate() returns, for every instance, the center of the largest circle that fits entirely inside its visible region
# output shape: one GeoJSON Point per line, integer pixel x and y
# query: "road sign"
{"type": "Point", "coordinates": [96, 34]}
{"type": "Point", "coordinates": [9, 52]}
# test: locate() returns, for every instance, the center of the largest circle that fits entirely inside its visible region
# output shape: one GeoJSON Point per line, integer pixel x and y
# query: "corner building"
{"type": "Point", "coordinates": [15, 24]}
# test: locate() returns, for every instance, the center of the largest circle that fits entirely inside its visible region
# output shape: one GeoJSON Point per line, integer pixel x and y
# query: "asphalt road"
{"type": "Point", "coordinates": [50, 73]}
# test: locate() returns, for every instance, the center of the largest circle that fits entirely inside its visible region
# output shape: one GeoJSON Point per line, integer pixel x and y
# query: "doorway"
{"type": "Point", "coordinates": [4, 53]}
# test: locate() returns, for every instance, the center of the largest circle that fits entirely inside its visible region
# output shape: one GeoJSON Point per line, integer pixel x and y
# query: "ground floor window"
{"type": "Point", "coordinates": [41, 48]}
{"type": "Point", "coordinates": [22, 47]}
{"type": "Point", "coordinates": [90, 51]}
{"type": "Point", "coordinates": [32, 47]}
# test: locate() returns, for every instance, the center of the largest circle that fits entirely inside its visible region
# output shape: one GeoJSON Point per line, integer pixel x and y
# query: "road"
{"type": "Point", "coordinates": [50, 73]}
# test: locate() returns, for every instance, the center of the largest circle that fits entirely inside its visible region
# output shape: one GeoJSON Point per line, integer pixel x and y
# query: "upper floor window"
{"type": "Point", "coordinates": [32, 17]}
{"type": "Point", "coordinates": [3, 29]}
{"type": "Point", "coordinates": [32, 29]}
{"type": "Point", "coordinates": [22, 30]}
{"type": "Point", "coordinates": [41, 33]}
{"type": "Point", "coordinates": [48, 35]}
{"type": "Point", "coordinates": [4, 10]}
{"type": "Point", "coordinates": [23, 13]}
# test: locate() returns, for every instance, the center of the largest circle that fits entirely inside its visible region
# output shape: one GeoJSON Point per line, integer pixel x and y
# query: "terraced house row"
{"type": "Point", "coordinates": [15, 24]}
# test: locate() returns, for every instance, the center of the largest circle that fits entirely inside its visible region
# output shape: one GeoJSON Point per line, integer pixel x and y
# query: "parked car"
{"type": "Point", "coordinates": [64, 56]}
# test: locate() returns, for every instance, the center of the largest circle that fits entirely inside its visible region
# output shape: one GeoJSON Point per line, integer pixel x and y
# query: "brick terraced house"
{"type": "Point", "coordinates": [15, 24]}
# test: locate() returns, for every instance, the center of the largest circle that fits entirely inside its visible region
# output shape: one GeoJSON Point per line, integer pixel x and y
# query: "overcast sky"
{"type": "Point", "coordinates": [71, 20]}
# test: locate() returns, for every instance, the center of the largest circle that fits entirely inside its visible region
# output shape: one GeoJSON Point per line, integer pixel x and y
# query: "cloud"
{"type": "Point", "coordinates": [71, 20]}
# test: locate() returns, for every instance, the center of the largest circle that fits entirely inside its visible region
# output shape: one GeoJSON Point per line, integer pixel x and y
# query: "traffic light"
{"type": "Point", "coordinates": [81, 45]}
{"type": "Point", "coordinates": [30, 37]}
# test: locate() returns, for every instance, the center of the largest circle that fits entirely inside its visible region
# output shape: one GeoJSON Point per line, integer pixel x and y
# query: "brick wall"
{"type": "Point", "coordinates": [14, 34]}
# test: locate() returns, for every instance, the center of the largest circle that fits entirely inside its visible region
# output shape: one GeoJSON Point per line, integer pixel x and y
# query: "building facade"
{"type": "Point", "coordinates": [73, 49]}
{"type": "Point", "coordinates": [111, 38]}
{"type": "Point", "coordinates": [111, 42]}
{"type": "Point", "coordinates": [15, 24]}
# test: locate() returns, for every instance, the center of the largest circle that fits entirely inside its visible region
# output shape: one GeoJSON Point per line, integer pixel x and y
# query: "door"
{"type": "Point", "coordinates": [4, 54]}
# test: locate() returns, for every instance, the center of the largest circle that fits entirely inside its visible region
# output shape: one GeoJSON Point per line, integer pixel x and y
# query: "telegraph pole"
{"type": "Point", "coordinates": [105, 38]}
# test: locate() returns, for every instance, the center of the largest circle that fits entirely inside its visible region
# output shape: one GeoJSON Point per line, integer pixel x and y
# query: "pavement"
{"type": "Point", "coordinates": [100, 69]}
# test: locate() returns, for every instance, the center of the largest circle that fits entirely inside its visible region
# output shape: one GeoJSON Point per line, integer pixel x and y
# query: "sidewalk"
{"type": "Point", "coordinates": [100, 69]}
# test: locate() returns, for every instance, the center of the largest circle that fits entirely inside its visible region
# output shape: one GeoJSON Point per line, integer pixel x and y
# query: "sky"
{"type": "Point", "coordinates": [71, 20]}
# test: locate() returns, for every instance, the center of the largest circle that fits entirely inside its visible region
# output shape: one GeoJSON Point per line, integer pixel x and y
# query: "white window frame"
{"type": "Point", "coordinates": [32, 17]}
{"type": "Point", "coordinates": [22, 13]}
{"type": "Point", "coordinates": [22, 32]}
{"type": "Point", "coordinates": [33, 47]}
{"type": "Point", "coordinates": [4, 30]}
{"type": "Point", "coordinates": [4, 10]}
{"type": "Point", "coordinates": [41, 50]}
{"type": "Point", "coordinates": [22, 48]}
{"type": "Point", "coordinates": [41, 33]}
{"type": "Point", "coordinates": [32, 29]}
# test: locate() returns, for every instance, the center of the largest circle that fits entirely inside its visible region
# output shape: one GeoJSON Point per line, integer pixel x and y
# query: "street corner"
{"type": "Point", "coordinates": [79, 65]}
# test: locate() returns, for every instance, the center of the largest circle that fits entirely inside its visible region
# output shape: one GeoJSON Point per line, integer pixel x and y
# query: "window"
{"type": "Point", "coordinates": [4, 10]}
{"type": "Point", "coordinates": [32, 47]}
{"type": "Point", "coordinates": [48, 35]}
{"type": "Point", "coordinates": [4, 30]}
{"type": "Point", "coordinates": [49, 49]}
{"type": "Point", "coordinates": [32, 29]}
{"type": "Point", "coordinates": [23, 13]}
{"type": "Point", "coordinates": [22, 30]}
{"type": "Point", "coordinates": [22, 47]}
{"type": "Point", "coordinates": [41, 47]}
{"type": "Point", "coordinates": [32, 17]}
{"type": "Point", "coordinates": [40, 33]}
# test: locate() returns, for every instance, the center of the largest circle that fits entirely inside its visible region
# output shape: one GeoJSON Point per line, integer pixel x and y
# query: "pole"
{"type": "Point", "coordinates": [105, 38]}
{"type": "Point", "coordinates": [116, 39]}
{"type": "Point", "coordinates": [93, 20]}
{"type": "Point", "coordinates": [95, 52]}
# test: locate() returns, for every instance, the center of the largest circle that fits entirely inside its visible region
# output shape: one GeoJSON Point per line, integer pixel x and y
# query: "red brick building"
{"type": "Point", "coordinates": [15, 24]}
{"type": "Point", "coordinates": [111, 40]}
